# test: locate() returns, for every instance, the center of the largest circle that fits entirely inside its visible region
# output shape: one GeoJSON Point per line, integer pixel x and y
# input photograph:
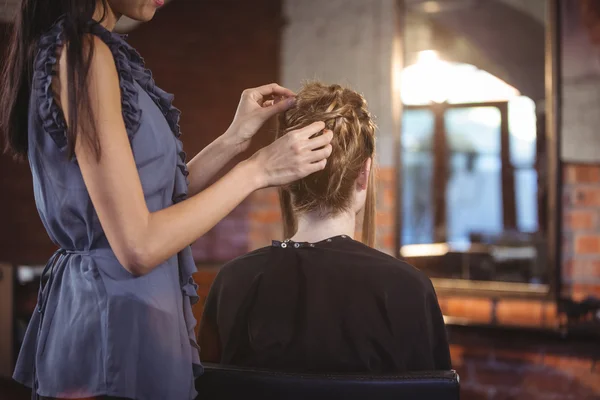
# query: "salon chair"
{"type": "Point", "coordinates": [229, 383]}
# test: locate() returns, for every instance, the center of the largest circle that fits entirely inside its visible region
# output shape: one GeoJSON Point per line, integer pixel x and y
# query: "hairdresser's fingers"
{"type": "Point", "coordinates": [277, 107]}
{"type": "Point", "coordinates": [316, 166]}
{"type": "Point", "coordinates": [307, 131]}
{"type": "Point", "coordinates": [272, 89]}
{"type": "Point", "coordinates": [319, 141]}
{"type": "Point", "coordinates": [321, 154]}
{"type": "Point", "coordinates": [275, 100]}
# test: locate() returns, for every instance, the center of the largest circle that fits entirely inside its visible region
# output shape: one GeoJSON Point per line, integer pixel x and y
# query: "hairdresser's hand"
{"type": "Point", "coordinates": [256, 106]}
{"type": "Point", "coordinates": [292, 156]}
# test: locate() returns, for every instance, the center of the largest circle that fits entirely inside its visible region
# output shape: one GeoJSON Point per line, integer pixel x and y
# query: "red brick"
{"type": "Point", "coordinates": [256, 236]}
{"type": "Point", "coordinates": [475, 310]}
{"type": "Point", "coordinates": [518, 358]}
{"type": "Point", "coordinates": [573, 366]}
{"type": "Point", "coordinates": [520, 394]}
{"type": "Point", "coordinates": [489, 375]}
{"type": "Point", "coordinates": [265, 216]}
{"type": "Point", "coordinates": [551, 317]}
{"type": "Point", "coordinates": [471, 354]}
{"type": "Point", "coordinates": [592, 269]}
{"type": "Point", "coordinates": [205, 278]}
{"type": "Point", "coordinates": [581, 269]}
{"type": "Point", "coordinates": [580, 219]}
{"type": "Point", "coordinates": [586, 196]}
{"type": "Point", "coordinates": [456, 351]}
{"type": "Point", "coordinates": [475, 393]}
{"type": "Point", "coordinates": [499, 370]}
{"type": "Point", "coordinates": [547, 381]}
{"type": "Point", "coordinates": [387, 241]}
{"type": "Point", "coordinates": [567, 243]}
{"type": "Point", "coordinates": [385, 219]}
{"type": "Point", "coordinates": [519, 312]}
{"type": "Point", "coordinates": [567, 269]}
{"type": "Point", "coordinates": [574, 173]}
{"type": "Point", "coordinates": [268, 197]}
{"type": "Point", "coordinates": [587, 244]}
{"type": "Point", "coordinates": [567, 197]}
{"type": "Point", "coordinates": [580, 291]}
{"type": "Point", "coordinates": [386, 175]}
{"type": "Point", "coordinates": [389, 198]}
{"type": "Point", "coordinates": [588, 383]}
{"type": "Point", "coordinates": [203, 292]}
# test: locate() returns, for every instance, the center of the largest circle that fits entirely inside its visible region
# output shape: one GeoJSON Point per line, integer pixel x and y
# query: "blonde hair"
{"type": "Point", "coordinates": [330, 191]}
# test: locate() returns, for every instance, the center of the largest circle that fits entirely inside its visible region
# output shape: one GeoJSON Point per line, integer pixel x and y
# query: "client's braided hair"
{"type": "Point", "coordinates": [330, 190]}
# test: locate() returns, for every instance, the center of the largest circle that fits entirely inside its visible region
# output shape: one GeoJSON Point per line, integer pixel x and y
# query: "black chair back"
{"type": "Point", "coordinates": [229, 383]}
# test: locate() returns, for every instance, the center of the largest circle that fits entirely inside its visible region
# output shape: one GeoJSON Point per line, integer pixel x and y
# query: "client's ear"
{"type": "Point", "coordinates": [363, 177]}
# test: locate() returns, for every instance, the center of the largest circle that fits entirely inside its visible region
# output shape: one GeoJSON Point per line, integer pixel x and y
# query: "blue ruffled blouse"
{"type": "Point", "coordinates": [98, 330]}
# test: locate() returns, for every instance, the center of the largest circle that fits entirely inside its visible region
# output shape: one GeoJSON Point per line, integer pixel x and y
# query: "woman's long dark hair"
{"type": "Point", "coordinates": [34, 18]}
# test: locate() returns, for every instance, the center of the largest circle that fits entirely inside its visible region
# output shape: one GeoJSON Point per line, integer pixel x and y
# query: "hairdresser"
{"type": "Point", "coordinates": [117, 196]}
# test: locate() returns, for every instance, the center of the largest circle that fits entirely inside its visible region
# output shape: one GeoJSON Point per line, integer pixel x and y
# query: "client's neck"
{"type": "Point", "coordinates": [313, 227]}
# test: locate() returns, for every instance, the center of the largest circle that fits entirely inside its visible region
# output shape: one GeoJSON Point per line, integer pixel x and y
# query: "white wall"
{"type": "Point", "coordinates": [350, 42]}
{"type": "Point", "coordinates": [580, 75]}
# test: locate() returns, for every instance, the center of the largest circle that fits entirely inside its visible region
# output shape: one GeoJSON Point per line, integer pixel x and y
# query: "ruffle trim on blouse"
{"type": "Point", "coordinates": [133, 63]}
{"type": "Point", "coordinates": [45, 69]}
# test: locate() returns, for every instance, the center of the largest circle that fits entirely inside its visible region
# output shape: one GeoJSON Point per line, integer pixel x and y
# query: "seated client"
{"type": "Point", "coordinates": [320, 301]}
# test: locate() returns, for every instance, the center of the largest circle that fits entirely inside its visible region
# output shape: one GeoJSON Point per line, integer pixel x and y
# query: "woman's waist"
{"type": "Point", "coordinates": [100, 251]}
{"type": "Point", "coordinates": [102, 259]}
{"type": "Point", "coordinates": [97, 272]}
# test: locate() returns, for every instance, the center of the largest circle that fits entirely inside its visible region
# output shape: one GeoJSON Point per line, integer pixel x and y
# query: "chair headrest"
{"type": "Point", "coordinates": [225, 382]}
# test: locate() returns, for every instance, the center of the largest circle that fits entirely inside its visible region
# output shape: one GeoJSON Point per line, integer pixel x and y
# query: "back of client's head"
{"type": "Point", "coordinates": [346, 183]}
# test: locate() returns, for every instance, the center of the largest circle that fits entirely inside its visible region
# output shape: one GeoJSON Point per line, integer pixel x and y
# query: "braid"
{"type": "Point", "coordinates": [345, 113]}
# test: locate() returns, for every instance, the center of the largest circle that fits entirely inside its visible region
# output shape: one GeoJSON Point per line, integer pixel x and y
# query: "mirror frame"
{"type": "Point", "coordinates": [495, 289]}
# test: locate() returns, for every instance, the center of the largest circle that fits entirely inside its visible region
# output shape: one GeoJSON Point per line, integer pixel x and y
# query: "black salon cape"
{"type": "Point", "coordinates": [335, 306]}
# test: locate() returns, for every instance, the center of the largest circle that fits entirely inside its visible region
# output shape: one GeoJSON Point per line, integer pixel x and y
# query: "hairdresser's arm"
{"type": "Point", "coordinates": [209, 163]}
{"type": "Point", "coordinates": [256, 106]}
{"type": "Point", "coordinates": [142, 239]}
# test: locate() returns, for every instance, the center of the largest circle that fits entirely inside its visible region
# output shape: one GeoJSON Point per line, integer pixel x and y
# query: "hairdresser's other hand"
{"type": "Point", "coordinates": [292, 156]}
{"type": "Point", "coordinates": [256, 106]}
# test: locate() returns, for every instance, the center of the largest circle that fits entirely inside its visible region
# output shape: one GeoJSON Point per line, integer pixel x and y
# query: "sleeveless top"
{"type": "Point", "coordinates": [98, 330]}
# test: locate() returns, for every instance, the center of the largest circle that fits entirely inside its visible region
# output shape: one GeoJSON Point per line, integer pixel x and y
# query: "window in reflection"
{"type": "Point", "coordinates": [417, 176]}
{"type": "Point", "coordinates": [469, 189]}
{"type": "Point", "coordinates": [474, 186]}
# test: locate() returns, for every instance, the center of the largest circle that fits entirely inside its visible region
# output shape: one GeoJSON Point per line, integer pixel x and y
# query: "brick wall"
{"type": "Point", "coordinates": [205, 54]}
{"type": "Point", "coordinates": [515, 364]}
{"type": "Point", "coordinates": [22, 235]}
{"type": "Point", "coordinates": [580, 269]}
{"type": "Point", "coordinates": [581, 230]}
{"type": "Point", "coordinates": [492, 367]}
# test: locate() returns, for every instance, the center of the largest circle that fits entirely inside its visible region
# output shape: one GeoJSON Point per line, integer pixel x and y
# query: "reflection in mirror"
{"type": "Point", "coordinates": [473, 161]}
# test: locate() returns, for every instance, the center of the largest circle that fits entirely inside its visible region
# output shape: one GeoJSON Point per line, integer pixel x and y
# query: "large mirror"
{"type": "Point", "coordinates": [478, 154]}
